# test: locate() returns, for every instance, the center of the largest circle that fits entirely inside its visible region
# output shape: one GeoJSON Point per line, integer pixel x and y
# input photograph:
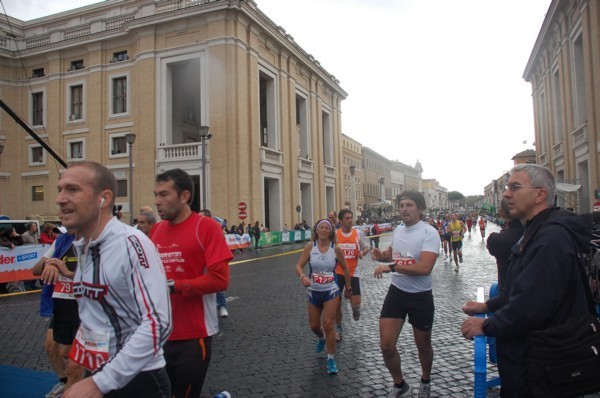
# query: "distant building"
{"type": "Point", "coordinates": [436, 196]}
{"type": "Point", "coordinates": [527, 156]}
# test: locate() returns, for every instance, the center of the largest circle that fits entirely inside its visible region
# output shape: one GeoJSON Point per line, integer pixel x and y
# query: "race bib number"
{"type": "Point", "coordinates": [402, 259]}
{"type": "Point", "coordinates": [63, 289]}
{"type": "Point", "coordinates": [90, 349]}
{"type": "Point", "coordinates": [323, 278]}
{"type": "Point", "coordinates": [349, 253]}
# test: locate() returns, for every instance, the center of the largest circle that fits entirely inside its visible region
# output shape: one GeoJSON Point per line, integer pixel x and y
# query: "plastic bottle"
{"type": "Point", "coordinates": [223, 394]}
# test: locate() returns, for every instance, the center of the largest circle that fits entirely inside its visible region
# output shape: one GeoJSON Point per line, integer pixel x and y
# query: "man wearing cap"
{"type": "Point", "coordinates": [411, 257]}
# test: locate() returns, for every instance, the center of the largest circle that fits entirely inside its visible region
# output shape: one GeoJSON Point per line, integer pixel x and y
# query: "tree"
{"type": "Point", "coordinates": [455, 195]}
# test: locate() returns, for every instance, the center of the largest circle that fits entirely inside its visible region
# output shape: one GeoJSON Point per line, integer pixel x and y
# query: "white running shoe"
{"type": "Point", "coordinates": [223, 312]}
{"type": "Point", "coordinates": [400, 392]}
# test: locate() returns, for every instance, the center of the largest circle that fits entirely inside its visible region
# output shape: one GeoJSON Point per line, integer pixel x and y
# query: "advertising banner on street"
{"type": "Point", "coordinates": [294, 236]}
{"type": "Point", "coordinates": [269, 238]}
{"type": "Point", "coordinates": [235, 241]}
{"type": "Point", "coordinates": [16, 264]}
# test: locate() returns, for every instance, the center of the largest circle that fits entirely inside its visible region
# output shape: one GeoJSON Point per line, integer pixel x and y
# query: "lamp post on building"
{"type": "Point", "coordinates": [130, 138]}
{"type": "Point", "coordinates": [353, 193]}
{"type": "Point", "coordinates": [204, 137]}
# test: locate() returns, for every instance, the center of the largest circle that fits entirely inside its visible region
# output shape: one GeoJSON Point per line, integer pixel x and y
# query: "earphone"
{"type": "Point", "coordinates": [101, 202]}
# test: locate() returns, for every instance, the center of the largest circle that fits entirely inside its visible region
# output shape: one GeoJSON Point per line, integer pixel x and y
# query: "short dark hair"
{"type": "Point", "coordinates": [415, 196]}
{"type": "Point", "coordinates": [150, 216]}
{"type": "Point", "coordinates": [104, 179]}
{"type": "Point", "coordinates": [343, 212]}
{"type": "Point", "coordinates": [206, 212]}
{"type": "Point", "coordinates": [181, 181]}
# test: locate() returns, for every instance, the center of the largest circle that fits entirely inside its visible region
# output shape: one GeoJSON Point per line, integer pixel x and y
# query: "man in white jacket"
{"type": "Point", "coordinates": [121, 290]}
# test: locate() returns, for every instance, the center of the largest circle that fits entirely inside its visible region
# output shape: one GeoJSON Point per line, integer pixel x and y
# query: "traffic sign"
{"type": "Point", "coordinates": [242, 215]}
{"type": "Point", "coordinates": [242, 206]}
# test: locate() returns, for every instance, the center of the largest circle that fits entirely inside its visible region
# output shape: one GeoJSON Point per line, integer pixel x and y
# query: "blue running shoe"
{"type": "Point", "coordinates": [331, 366]}
{"type": "Point", "coordinates": [320, 345]}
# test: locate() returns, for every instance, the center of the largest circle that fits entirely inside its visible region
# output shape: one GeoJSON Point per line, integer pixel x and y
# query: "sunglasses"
{"type": "Point", "coordinates": [513, 186]}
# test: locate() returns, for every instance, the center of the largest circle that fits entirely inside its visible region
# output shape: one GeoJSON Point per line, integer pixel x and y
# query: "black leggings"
{"type": "Point", "coordinates": [187, 365]}
{"type": "Point", "coordinates": [150, 383]}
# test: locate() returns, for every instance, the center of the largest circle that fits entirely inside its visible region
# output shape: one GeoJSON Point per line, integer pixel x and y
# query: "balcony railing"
{"type": "Point", "coordinates": [305, 165]}
{"type": "Point", "coordinates": [579, 136]}
{"type": "Point", "coordinates": [271, 155]}
{"type": "Point", "coordinates": [177, 152]}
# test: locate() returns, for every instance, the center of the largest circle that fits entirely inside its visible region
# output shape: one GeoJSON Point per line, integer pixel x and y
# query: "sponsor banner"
{"type": "Point", "coordinates": [385, 227]}
{"type": "Point", "coordinates": [294, 236]}
{"type": "Point", "coordinates": [235, 241]}
{"type": "Point", "coordinates": [16, 264]}
{"type": "Point", "coordinates": [269, 238]}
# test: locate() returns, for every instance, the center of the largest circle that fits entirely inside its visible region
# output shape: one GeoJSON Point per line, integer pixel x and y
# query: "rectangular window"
{"type": "Point", "coordinates": [118, 145]}
{"type": "Point", "coordinates": [76, 103]}
{"type": "Point", "coordinates": [37, 193]}
{"type": "Point", "coordinates": [121, 187]}
{"type": "Point", "coordinates": [119, 56]}
{"type": "Point", "coordinates": [37, 109]}
{"type": "Point", "coordinates": [37, 154]}
{"type": "Point", "coordinates": [119, 95]}
{"type": "Point", "coordinates": [557, 107]}
{"type": "Point", "coordinates": [39, 72]}
{"type": "Point", "coordinates": [579, 85]}
{"type": "Point", "coordinates": [76, 150]}
{"type": "Point", "coordinates": [75, 65]}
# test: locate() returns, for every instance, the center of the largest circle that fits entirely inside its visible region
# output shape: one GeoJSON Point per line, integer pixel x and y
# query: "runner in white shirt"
{"type": "Point", "coordinates": [121, 290]}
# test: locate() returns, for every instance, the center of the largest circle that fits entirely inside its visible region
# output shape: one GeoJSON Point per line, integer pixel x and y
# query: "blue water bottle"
{"type": "Point", "coordinates": [223, 394]}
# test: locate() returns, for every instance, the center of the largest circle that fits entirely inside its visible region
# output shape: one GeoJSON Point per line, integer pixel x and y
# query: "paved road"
{"type": "Point", "coordinates": [266, 349]}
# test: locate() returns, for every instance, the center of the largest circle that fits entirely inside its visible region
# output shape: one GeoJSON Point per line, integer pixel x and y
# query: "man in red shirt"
{"type": "Point", "coordinates": [196, 260]}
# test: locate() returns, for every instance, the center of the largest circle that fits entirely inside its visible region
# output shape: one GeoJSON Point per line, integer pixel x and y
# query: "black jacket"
{"type": "Point", "coordinates": [499, 244]}
{"type": "Point", "coordinates": [543, 288]}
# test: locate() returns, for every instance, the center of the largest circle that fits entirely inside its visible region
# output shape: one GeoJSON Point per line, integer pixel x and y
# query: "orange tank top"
{"type": "Point", "coordinates": [350, 248]}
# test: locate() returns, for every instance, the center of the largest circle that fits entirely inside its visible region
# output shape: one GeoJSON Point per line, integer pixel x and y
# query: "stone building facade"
{"type": "Point", "coordinates": [84, 79]}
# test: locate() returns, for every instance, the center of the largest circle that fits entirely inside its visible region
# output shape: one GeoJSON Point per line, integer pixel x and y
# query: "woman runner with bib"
{"type": "Point", "coordinates": [322, 256]}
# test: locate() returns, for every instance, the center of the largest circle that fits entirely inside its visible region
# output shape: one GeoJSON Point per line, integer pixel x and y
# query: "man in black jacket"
{"type": "Point", "coordinates": [543, 288]}
{"type": "Point", "coordinates": [500, 243]}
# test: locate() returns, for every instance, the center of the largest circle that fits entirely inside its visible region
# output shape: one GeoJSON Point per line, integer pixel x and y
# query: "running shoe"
{"type": "Point", "coordinates": [320, 345]}
{"type": "Point", "coordinates": [456, 269]}
{"type": "Point", "coordinates": [57, 391]}
{"type": "Point", "coordinates": [356, 314]}
{"type": "Point", "coordinates": [460, 258]}
{"type": "Point", "coordinates": [424, 390]}
{"type": "Point", "coordinates": [223, 312]}
{"type": "Point", "coordinates": [400, 392]}
{"type": "Point", "coordinates": [338, 333]}
{"type": "Point", "coordinates": [331, 366]}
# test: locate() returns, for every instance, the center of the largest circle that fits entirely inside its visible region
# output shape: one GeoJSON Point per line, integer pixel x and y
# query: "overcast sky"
{"type": "Point", "coordinates": [437, 81]}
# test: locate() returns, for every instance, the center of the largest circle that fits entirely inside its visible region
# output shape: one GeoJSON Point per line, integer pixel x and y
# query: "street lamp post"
{"type": "Point", "coordinates": [204, 136]}
{"type": "Point", "coordinates": [130, 138]}
{"type": "Point", "coordinates": [353, 197]}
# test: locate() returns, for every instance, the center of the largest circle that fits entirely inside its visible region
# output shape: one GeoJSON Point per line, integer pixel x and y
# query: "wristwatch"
{"type": "Point", "coordinates": [171, 284]}
{"type": "Point", "coordinates": [392, 267]}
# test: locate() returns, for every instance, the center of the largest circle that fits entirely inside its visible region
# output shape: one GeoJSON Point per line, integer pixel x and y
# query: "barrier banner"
{"type": "Point", "coordinates": [16, 264]}
{"type": "Point", "coordinates": [295, 236]}
{"type": "Point", "coordinates": [270, 238]}
{"type": "Point", "coordinates": [235, 241]}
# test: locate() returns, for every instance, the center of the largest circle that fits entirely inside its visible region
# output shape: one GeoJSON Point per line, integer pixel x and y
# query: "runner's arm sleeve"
{"type": "Point", "coordinates": [150, 291]}
{"type": "Point", "coordinates": [215, 280]}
